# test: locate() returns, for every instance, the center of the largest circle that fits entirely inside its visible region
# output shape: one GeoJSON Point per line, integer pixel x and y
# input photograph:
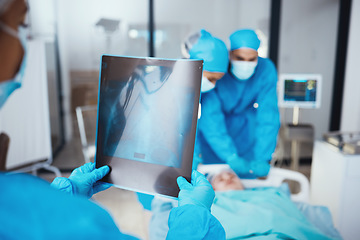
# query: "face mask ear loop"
{"type": "Point", "coordinates": [9, 30]}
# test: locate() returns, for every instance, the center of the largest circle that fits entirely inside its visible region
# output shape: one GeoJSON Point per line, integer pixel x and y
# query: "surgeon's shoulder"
{"type": "Point", "coordinates": [225, 80]}
{"type": "Point", "coordinates": [211, 95]}
{"type": "Point", "coordinates": [225, 84]}
{"type": "Point", "coordinates": [268, 68]}
{"type": "Point", "coordinates": [21, 179]}
{"type": "Point", "coordinates": [267, 64]}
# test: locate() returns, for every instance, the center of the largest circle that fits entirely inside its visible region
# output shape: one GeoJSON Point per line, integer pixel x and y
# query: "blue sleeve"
{"type": "Point", "coordinates": [267, 119]}
{"type": "Point", "coordinates": [194, 222]}
{"type": "Point", "coordinates": [212, 126]}
{"type": "Point", "coordinates": [39, 211]}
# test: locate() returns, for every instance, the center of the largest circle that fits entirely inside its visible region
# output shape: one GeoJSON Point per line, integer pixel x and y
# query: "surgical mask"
{"type": "Point", "coordinates": [243, 70]}
{"type": "Point", "coordinates": [206, 85]}
{"type": "Point", "coordinates": [9, 86]}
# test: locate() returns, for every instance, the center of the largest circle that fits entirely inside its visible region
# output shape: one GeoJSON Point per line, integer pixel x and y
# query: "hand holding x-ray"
{"type": "Point", "coordinates": [199, 192]}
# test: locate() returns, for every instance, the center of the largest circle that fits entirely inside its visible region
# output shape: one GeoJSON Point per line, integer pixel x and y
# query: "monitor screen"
{"type": "Point", "coordinates": [300, 90]}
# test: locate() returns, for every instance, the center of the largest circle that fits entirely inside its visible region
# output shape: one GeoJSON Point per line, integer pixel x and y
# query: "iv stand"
{"type": "Point", "coordinates": [296, 113]}
{"type": "Point", "coordinates": [295, 144]}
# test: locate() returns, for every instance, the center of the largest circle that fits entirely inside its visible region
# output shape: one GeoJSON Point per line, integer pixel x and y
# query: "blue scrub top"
{"type": "Point", "coordinates": [31, 209]}
{"type": "Point", "coordinates": [240, 117]}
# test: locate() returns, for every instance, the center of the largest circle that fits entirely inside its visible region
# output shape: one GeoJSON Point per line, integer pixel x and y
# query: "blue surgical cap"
{"type": "Point", "coordinates": [212, 50]}
{"type": "Point", "coordinates": [245, 38]}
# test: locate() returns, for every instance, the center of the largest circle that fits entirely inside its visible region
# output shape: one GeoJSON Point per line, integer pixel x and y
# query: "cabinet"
{"type": "Point", "coordinates": [335, 183]}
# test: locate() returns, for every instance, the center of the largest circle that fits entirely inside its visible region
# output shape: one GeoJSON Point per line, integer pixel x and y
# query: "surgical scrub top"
{"type": "Point", "coordinates": [240, 117]}
{"type": "Point", "coordinates": [31, 209]}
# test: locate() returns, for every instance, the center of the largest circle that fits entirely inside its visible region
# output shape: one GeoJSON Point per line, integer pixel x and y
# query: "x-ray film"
{"type": "Point", "coordinates": [147, 114]}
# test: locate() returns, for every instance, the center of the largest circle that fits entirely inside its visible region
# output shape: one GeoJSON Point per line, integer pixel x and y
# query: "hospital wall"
{"type": "Point", "coordinates": [350, 117]}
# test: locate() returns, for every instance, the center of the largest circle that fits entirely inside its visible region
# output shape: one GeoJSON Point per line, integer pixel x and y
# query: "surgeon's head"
{"type": "Point", "coordinates": [225, 180]}
{"type": "Point", "coordinates": [202, 45]}
{"type": "Point", "coordinates": [12, 15]}
{"type": "Point", "coordinates": [244, 53]}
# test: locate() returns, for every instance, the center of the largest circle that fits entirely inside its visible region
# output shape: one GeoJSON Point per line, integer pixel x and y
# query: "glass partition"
{"type": "Point", "coordinates": [175, 20]}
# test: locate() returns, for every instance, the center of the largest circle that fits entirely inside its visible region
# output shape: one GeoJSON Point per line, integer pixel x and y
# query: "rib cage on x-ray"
{"type": "Point", "coordinates": [147, 115]}
{"type": "Point", "coordinates": [141, 115]}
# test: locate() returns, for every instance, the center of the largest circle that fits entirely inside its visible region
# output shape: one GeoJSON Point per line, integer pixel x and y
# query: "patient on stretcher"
{"type": "Point", "coordinates": [225, 180]}
{"type": "Point", "coordinates": [258, 213]}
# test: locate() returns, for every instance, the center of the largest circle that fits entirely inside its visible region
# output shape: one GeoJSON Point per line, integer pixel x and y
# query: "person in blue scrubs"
{"type": "Point", "coordinates": [202, 45]}
{"type": "Point", "coordinates": [240, 118]}
{"type": "Point", "coordinates": [31, 208]}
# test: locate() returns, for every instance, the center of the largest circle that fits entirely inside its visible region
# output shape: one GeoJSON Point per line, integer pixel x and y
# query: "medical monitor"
{"type": "Point", "coordinates": [300, 90]}
{"type": "Point", "coordinates": [147, 115]}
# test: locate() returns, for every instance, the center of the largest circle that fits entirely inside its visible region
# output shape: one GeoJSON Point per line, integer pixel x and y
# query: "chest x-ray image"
{"type": "Point", "coordinates": [147, 111]}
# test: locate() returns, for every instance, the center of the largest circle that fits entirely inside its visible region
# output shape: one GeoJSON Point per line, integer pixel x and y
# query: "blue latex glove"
{"type": "Point", "coordinates": [260, 168]}
{"type": "Point", "coordinates": [240, 166]}
{"type": "Point", "coordinates": [248, 169]}
{"type": "Point", "coordinates": [199, 192]}
{"type": "Point", "coordinates": [83, 181]}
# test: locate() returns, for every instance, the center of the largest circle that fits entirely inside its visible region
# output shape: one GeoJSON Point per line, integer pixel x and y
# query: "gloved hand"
{"type": "Point", "coordinates": [260, 168]}
{"type": "Point", "coordinates": [198, 192]}
{"type": "Point", "coordinates": [83, 181]}
{"type": "Point", "coordinates": [240, 166]}
{"type": "Point", "coordinates": [248, 169]}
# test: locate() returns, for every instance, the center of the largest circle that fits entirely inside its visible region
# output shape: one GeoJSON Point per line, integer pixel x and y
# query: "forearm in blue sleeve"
{"type": "Point", "coordinates": [194, 222]}
{"type": "Point", "coordinates": [213, 127]}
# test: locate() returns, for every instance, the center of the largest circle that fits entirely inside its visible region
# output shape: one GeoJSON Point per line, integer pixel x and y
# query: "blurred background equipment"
{"type": "Point", "coordinates": [298, 91]}
{"type": "Point", "coordinates": [110, 27]}
{"type": "Point", "coordinates": [347, 142]}
{"type": "Point", "coordinates": [86, 118]}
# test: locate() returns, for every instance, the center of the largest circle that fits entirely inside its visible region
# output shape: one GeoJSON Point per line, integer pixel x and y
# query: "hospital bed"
{"type": "Point", "coordinates": [275, 178]}
{"type": "Point", "coordinates": [318, 216]}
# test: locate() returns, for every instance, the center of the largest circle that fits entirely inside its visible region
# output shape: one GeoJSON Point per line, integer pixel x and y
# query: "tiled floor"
{"type": "Point", "coordinates": [121, 204]}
